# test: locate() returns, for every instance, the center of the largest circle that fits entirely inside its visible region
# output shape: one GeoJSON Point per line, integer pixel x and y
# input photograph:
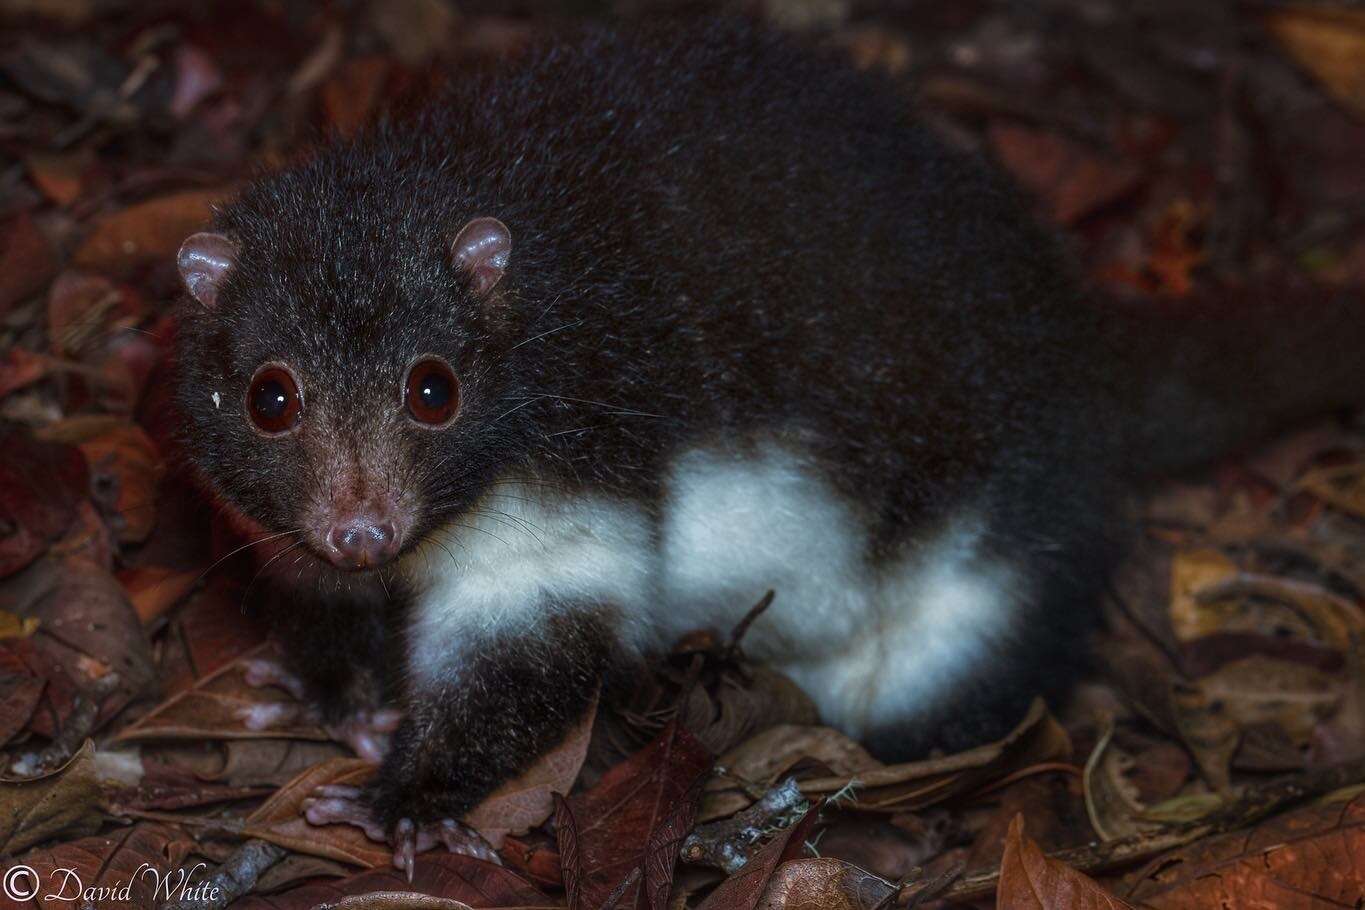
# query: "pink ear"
{"type": "Point", "coordinates": [204, 261]}
{"type": "Point", "coordinates": [481, 250]}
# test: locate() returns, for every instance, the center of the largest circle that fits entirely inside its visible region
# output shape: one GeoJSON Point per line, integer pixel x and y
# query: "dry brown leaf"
{"type": "Point", "coordinates": [153, 590]}
{"type": "Point", "coordinates": [763, 758]}
{"type": "Point", "coordinates": [350, 95]}
{"type": "Point", "coordinates": [528, 800]}
{"type": "Point", "coordinates": [59, 176]}
{"type": "Point", "coordinates": [65, 803]}
{"type": "Point", "coordinates": [448, 876]}
{"type": "Point", "coordinates": [1029, 880]}
{"type": "Point", "coordinates": [114, 860]}
{"type": "Point", "coordinates": [1193, 571]}
{"type": "Point", "coordinates": [1071, 180]}
{"type": "Point", "coordinates": [631, 822]}
{"type": "Point", "coordinates": [122, 460]}
{"type": "Point", "coordinates": [744, 889]}
{"type": "Point", "coordinates": [1277, 702]}
{"type": "Point", "coordinates": [1341, 486]}
{"type": "Point", "coordinates": [223, 706]}
{"type": "Point", "coordinates": [915, 785]}
{"type": "Point", "coordinates": [1206, 601]}
{"type": "Point", "coordinates": [280, 819]}
{"type": "Point", "coordinates": [826, 883]}
{"type": "Point", "coordinates": [147, 231]}
{"type": "Point", "coordinates": [1328, 42]}
{"type": "Point", "coordinates": [1311, 858]}
{"type": "Point", "coordinates": [27, 261]}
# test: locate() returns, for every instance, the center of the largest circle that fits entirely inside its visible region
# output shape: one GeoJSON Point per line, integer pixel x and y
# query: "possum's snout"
{"type": "Point", "coordinates": [363, 541]}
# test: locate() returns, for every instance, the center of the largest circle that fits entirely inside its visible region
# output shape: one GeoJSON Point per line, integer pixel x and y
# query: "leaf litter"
{"type": "Point", "coordinates": [1214, 758]}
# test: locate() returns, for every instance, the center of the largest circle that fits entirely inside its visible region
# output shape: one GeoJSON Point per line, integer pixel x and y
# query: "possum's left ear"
{"type": "Point", "coordinates": [481, 250]}
{"type": "Point", "coordinates": [204, 261]}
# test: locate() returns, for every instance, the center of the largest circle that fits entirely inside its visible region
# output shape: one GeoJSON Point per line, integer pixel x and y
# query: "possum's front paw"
{"type": "Point", "coordinates": [352, 717]}
{"type": "Point", "coordinates": [352, 806]}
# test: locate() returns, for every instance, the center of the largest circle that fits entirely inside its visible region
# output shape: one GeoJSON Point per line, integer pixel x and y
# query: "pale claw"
{"type": "Point", "coordinates": [460, 838]}
{"type": "Point", "coordinates": [405, 846]}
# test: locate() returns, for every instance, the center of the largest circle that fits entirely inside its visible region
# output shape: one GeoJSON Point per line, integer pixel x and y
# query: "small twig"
{"type": "Point", "coordinates": [73, 734]}
{"type": "Point", "coordinates": [725, 844]}
{"type": "Point", "coordinates": [236, 877]}
{"type": "Point", "coordinates": [620, 890]}
{"type": "Point", "coordinates": [911, 893]}
{"type": "Point", "coordinates": [740, 630]}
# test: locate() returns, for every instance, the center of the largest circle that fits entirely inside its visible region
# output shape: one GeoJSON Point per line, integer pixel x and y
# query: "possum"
{"type": "Point", "coordinates": [600, 346]}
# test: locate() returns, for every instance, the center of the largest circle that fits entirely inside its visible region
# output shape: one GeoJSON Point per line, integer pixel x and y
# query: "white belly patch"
{"type": "Point", "coordinates": [870, 646]}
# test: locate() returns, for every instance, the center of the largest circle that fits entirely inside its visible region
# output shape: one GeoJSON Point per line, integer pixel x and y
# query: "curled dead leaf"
{"type": "Point", "coordinates": [1030, 880]}
{"type": "Point", "coordinates": [915, 785]}
{"type": "Point", "coordinates": [64, 803]}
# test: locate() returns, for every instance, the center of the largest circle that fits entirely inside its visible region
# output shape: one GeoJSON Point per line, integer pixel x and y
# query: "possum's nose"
{"type": "Point", "coordinates": [362, 542]}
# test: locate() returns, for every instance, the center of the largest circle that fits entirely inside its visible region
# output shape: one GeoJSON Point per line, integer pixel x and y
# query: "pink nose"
{"type": "Point", "coordinates": [362, 541]}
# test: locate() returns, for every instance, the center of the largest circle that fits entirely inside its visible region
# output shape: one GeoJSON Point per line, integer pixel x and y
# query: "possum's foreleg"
{"type": "Point", "coordinates": [334, 642]}
{"type": "Point", "coordinates": [495, 705]}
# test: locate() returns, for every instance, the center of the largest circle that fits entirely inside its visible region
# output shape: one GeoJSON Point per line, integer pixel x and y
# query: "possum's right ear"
{"type": "Point", "coordinates": [204, 261]}
{"type": "Point", "coordinates": [481, 250]}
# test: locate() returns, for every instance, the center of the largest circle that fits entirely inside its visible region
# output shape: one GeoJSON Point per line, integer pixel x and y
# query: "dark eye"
{"type": "Point", "coordinates": [431, 392]}
{"type": "Point", "coordinates": [273, 400]}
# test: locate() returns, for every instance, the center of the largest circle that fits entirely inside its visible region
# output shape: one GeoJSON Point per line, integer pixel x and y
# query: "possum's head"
{"type": "Point", "coordinates": [341, 380]}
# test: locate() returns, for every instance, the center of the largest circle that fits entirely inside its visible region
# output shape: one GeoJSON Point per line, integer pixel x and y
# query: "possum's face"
{"type": "Point", "coordinates": [345, 402]}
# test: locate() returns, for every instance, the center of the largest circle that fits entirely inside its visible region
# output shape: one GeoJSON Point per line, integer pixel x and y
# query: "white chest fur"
{"type": "Point", "coordinates": [870, 645]}
{"type": "Point", "coordinates": [515, 559]}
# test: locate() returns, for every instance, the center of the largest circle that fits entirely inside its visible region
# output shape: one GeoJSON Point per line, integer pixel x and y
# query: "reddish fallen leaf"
{"type": "Point", "coordinates": [744, 889]}
{"type": "Point", "coordinates": [125, 469]}
{"type": "Point", "coordinates": [60, 176]}
{"type": "Point", "coordinates": [83, 310]}
{"type": "Point", "coordinates": [537, 861]}
{"type": "Point", "coordinates": [145, 232]}
{"type": "Point", "coordinates": [87, 630]}
{"type": "Point", "coordinates": [56, 690]}
{"type": "Point", "coordinates": [153, 590]}
{"type": "Point", "coordinates": [40, 485]}
{"type": "Point", "coordinates": [444, 875]}
{"type": "Point", "coordinates": [163, 787]}
{"type": "Point", "coordinates": [915, 785]}
{"type": "Point", "coordinates": [1071, 180]}
{"type": "Point", "coordinates": [20, 367]}
{"type": "Point", "coordinates": [829, 884]}
{"type": "Point", "coordinates": [350, 96]}
{"type": "Point", "coordinates": [209, 632]}
{"type": "Point", "coordinates": [113, 861]}
{"type": "Point", "coordinates": [64, 803]}
{"type": "Point", "coordinates": [20, 692]}
{"type": "Point", "coordinates": [222, 705]}
{"type": "Point", "coordinates": [610, 831]}
{"type": "Point", "coordinates": [1173, 252]}
{"type": "Point", "coordinates": [528, 800]}
{"type": "Point", "coordinates": [1029, 880]}
{"type": "Point", "coordinates": [1311, 858]}
{"type": "Point", "coordinates": [27, 261]}
{"type": "Point", "coordinates": [280, 819]}
{"type": "Point", "coordinates": [1330, 44]}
